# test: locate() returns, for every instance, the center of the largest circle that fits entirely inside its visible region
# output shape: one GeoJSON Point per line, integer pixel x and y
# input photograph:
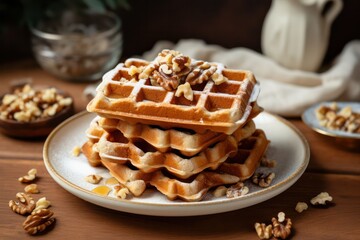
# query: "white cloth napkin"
{"type": "Point", "coordinates": [283, 91]}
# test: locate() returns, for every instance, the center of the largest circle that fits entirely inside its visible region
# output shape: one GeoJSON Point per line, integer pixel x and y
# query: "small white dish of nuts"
{"type": "Point", "coordinates": [339, 120]}
{"type": "Point", "coordinates": [33, 111]}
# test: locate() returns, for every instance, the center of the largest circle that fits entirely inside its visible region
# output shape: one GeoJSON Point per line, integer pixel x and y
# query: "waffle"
{"type": "Point", "coordinates": [115, 147]}
{"type": "Point", "coordinates": [221, 108]}
{"type": "Point", "coordinates": [245, 162]}
{"type": "Point", "coordinates": [189, 143]}
{"type": "Point", "coordinates": [94, 132]}
{"type": "Point", "coordinates": [88, 149]}
{"type": "Point", "coordinates": [189, 190]}
{"type": "Point", "coordinates": [177, 124]}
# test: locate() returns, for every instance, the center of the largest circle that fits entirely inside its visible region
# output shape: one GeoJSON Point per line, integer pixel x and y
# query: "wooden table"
{"type": "Point", "coordinates": [331, 169]}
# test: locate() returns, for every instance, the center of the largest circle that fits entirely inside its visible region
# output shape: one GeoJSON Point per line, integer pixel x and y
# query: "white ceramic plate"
{"type": "Point", "coordinates": [288, 147]}
{"type": "Point", "coordinates": [309, 118]}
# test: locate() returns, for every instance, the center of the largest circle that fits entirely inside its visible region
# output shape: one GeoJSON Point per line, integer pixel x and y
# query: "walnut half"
{"type": "Point", "coordinates": [24, 205]}
{"type": "Point", "coordinates": [38, 221]}
{"type": "Point", "coordinates": [263, 180]}
{"type": "Point", "coordinates": [263, 231]}
{"type": "Point", "coordinates": [237, 190]}
{"type": "Point", "coordinates": [31, 175]}
{"type": "Point", "coordinates": [281, 229]}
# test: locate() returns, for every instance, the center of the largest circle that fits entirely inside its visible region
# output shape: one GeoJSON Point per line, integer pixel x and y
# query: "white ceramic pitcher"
{"type": "Point", "coordinates": [296, 32]}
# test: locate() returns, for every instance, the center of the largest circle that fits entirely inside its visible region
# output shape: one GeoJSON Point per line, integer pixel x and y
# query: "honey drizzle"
{"type": "Point", "coordinates": [102, 190]}
{"type": "Point", "coordinates": [111, 181]}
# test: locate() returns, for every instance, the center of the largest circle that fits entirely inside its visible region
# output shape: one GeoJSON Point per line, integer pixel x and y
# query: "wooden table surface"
{"type": "Point", "coordinates": [332, 169]}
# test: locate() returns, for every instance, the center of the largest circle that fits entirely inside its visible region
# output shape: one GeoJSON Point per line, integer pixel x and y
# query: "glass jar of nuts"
{"type": "Point", "coordinates": [79, 46]}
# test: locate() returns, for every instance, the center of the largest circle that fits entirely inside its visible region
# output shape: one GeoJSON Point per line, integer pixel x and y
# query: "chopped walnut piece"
{"type": "Point", "coordinates": [32, 188]}
{"type": "Point", "coordinates": [300, 207]}
{"type": "Point", "coordinates": [165, 69]}
{"type": "Point", "coordinates": [24, 205]}
{"type": "Point", "coordinates": [168, 82]}
{"type": "Point", "coordinates": [321, 199]}
{"type": "Point", "coordinates": [218, 78]}
{"type": "Point", "coordinates": [220, 191]}
{"type": "Point", "coordinates": [281, 229]}
{"type": "Point", "coordinates": [263, 231]}
{"type": "Point", "coordinates": [93, 178]}
{"type": "Point", "coordinates": [171, 69]}
{"type": "Point", "coordinates": [134, 70]}
{"type": "Point", "coordinates": [76, 151]}
{"type": "Point", "coordinates": [121, 191]}
{"type": "Point", "coordinates": [237, 190]}
{"type": "Point", "coordinates": [263, 180]}
{"type": "Point", "coordinates": [31, 175]}
{"type": "Point", "coordinates": [38, 221]}
{"type": "Point", "coordinates": [147, 71]}
{"type": "Point", "coordinates": [266, 162]}
{"type": "Point", "coordinates": [42, 203]}
{"type": "Point", "coordinates": [281, 217]}
{"type": "Point", "coordinates": [199, 75]}
{"type": "Point", "coordinates": [185, 89]}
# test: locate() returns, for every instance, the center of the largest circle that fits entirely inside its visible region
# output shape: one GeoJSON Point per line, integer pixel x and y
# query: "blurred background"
{"type": "Point", "coordinates": [229, 23]}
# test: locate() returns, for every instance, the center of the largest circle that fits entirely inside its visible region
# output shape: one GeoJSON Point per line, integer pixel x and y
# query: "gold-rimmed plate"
{"type": "Point", "coordinates": [288, 147]}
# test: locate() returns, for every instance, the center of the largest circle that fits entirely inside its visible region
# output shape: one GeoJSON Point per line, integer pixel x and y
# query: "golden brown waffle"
{"type": "Point", "coordinates": [192, 189]}
{"type": "Point", "coordinates": [171, 138]}
{"type": "Point", "coordinates": [94, 132]}
{"type": "Point", "coordinates": [88, 149]}
{"type": "Point", "coordinates": [245, 162]}
{"type": "Point", "coordinates": [221, 108]}
{"type": "Point", "coordinates": [188, 142]}
{"type": "Point", "coordinates": [115, 147]}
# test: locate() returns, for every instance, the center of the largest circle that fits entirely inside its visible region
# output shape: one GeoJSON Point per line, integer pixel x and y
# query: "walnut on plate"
{"type": "Point", "coordinates": [237, 190]}
{"type": "Point", "coordinates": [263, 180]}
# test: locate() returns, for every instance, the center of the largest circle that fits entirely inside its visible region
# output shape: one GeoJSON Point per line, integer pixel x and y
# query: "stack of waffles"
{"type": "Point", "coordinates": [176, 124]}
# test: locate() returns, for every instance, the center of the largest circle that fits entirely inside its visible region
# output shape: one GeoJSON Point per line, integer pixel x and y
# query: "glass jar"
{"type": "Point", "coordinates": [79, 46]}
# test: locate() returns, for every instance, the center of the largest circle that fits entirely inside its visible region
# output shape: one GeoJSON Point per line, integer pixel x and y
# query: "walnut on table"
{"type": "Point", "coordinates": [321, 199]}
{"type": "Point", "coordinates": [31, 175]}
{"type": "Point", "coordinates": [264, 231]}
{"type": "Point", "coordinates": [280, 227]}
{"type": "Point", "coordinates": [32, 188]}
{"type": "Point", "coordinates": [38, 221]}
{"type": "Point", "coordinates": [300, 207]}
{"type": "Point", "coordinates": [42, 203]}
{"type": "Point", "coordinates": [24, 205]}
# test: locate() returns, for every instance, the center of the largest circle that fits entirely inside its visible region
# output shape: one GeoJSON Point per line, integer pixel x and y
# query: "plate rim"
{"type": "Point", "coordinates": [280, 186]}
{"type": "Point", "coordinates": [319, 129]}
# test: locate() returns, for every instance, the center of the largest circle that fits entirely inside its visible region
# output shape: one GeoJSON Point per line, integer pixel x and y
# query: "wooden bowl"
{"type": "Point", "coordinates": [38, 128]}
